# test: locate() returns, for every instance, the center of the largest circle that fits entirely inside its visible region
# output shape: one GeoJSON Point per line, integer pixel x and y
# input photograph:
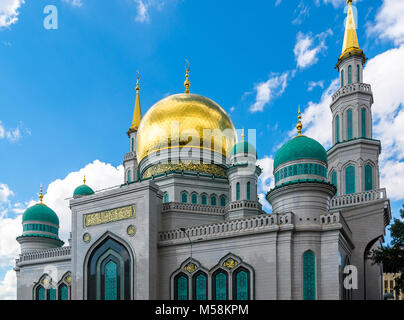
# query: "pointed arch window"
{"type": "Point", "coordinates": [358, 73]}
{"type": "Point", "coordinates": [184, 197]}
{"type": "Point", "coordinates": [200, 286]}
{"type": "Point", "coordinates": [249, 190]}
{"type": "Point", "coordinates": [241, 284]}
{"type": "Point", "coordinates": [40, 293]}
{"type": "Point", "coordinates": [130, 176]}
{"type": "Point", "coordinates": [363, 120]}
{"type": "Point", "coordinates": [350, 180]}
{"type": "Point", "coordinates": [223, 201]}
{"type": "Point", "coordinates": [63, 292]}
{"type": "Point", "coordinates": [368, 178]}
{"type": "Point", "coordinates": [337, 138]}
{"type": "Point", "coordinates": [166, 198]}
{"type": "Point", "coordinates": [220, 285]}
{"type": "Point", "coordinates": [309, 276]}
{"type": "Point", "coordinates": [349, 74]}
{"type": "Point", "coordinates": [342, 77]}
{"type": "Point", "coordinates": [204, 199]}
{"type": "Point", "coordinates": [52, 293]}
{"type": "Point", "coordinates": [194, 198]}
{"type": "Point", "coordinates": [213, 200]}
{"type": "Point", "coordinates": [181, 287]}
{"type": "Point", "coordinates": [349, 124]}
{"type": "Point", "coordinates": [109, 272]}
{"type": "Point", "coordinates": [334, 178]}
{"type": "Point", "coordinates": [238, 191]}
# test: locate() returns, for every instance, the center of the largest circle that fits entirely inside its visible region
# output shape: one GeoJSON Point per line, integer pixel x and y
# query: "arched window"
{"type": "Point", "coordinates": [309, 276]}
{"type": "Point", "coordinates": [223, 201]}
{"type": "Point", "coordinates": [350, 180]}
{"type": "Point", "coordinates": [213, 200]}
{"type": "Point", "coordinates": [52, 293]}
{"type": "Point", "coordinates": [200, 286]}
{"type": "Point", "coordinates": [334, 178]}
{"type": "Point", "coordinates": [349, 74]}
{"type": "Point", "coordinates": [342, 77]}
{"type": "Point", "coordinates": [63, 292]}
{"type": "Point", "coordinates": [238, 191]}
{"type": "Point", "coordinates": [40, 293]}
{"type": "Point", "coordinates": [109, 272]}
{"type": "Point", "coordinates": [184, 197]}
{"type": "Point", "coordinates": [204, 199]}
{"type": "Point", "coordinates": [241, 284]}
{"type": "Point", "coordinates": [194, 198]}
{"type": "Point", "coordinates": [358, 73]}
{"type": "Point", "coordinates": [166, 198]}
{"type": "Point", "coordinates": [368, 178]}
{"type": "Point", "coordinates": [132, 144]}
{"type": "Point", "coordinates": [337, 139]}
{"type": "Point", "coordinates": [219, 285]}
{"type": "Point", "coordinates": [181, 287]}
{"type": "Point", "coordinates": [363, 120]}
{"type": "Point", "coordinates": [349, 124]}
{"type": "Point", "coordinates": [248, 191]}
{"type": "Point", "coordinates": [129, 176]}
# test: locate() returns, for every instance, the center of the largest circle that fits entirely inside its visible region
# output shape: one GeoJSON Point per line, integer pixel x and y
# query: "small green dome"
{"type": "Point", "coordinates": [83, 190]}
{"type": "Point", "coordinates": [243, 147]}
{"type": "Point", "coordinates": [300, 147]}
{"type": "Point", "coordinates": [40, 212]}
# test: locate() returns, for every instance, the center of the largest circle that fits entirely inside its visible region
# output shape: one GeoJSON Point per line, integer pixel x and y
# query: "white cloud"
{"type": "Point", "coordinates": [278, 2]}
{"type": "Point", "coordinates": [389, 22]}
{"type": "Point", "coordinates": [308, 48]}
{"type": "Point", "coordinates": [9, 11]}
{"type": "Point", "coordinates": [314, 84]}
{"type": "Point", "coordinates": [8, 285]}
{"type": "Point", "coordinates": [302, 11]}
{"type": "Point", "coordinates": [13, 135]}
{"type": "Point", "coordinates": [74, 3]}
{"type": "Point", "coordinates": [99, 176]}
{"type": "Point", "coordinates": [144, 7]}
{"type": "Point", "coordinates": [266, 180]}
{"type": "Point", "coordinates": [268, 90]}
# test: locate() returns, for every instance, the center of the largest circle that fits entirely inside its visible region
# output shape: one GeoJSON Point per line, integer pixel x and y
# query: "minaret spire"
{"type": "Point", "coordinates": [137, 113]}
{"type": "Point", "coordinates": [187, 84]}
{"type": "Point", "coordinates": [299, 125]}
{"type": "Point", "coordinates": [41, 195]}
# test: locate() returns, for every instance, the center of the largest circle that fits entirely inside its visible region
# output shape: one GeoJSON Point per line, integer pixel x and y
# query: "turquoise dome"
{"type": "Point", "coordinates": [243, 147]}
{"type": "Point", "coordinates": [40, 212]}
{"type": "Point", "coordinates": [300, 147]}
{"type": "Point", "coordinates": [83, 190]}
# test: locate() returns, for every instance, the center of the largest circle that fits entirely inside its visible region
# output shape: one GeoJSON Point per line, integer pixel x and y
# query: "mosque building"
{"type": "Point", "coordinates": [186, 222]}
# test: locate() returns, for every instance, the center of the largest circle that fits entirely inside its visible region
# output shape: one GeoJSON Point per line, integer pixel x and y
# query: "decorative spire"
{"type": "Point", "coordinates": [187, 84]}
{"type": "Point", "coordinates": [350, 37]}
{"type": "Point", "coordinates": [243, 135]}
{"type": "Point", "coordinates": [137, 113]}
{"type": "Point", "coordinates": [299, 125]}
{"type": "Point", "coordinates": [84, 180]}
{"type": "Point", "coordinates": [40, 195]}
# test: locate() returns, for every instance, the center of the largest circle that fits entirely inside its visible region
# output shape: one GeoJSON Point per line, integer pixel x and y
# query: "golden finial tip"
{"type": "Point", "coordinates": [243, 135]}
{"type": "Point", "coordinates": [137, 82]}
{"type": "Point", "coordinates": [84, 180]}
{"type": "Point", "coordinates": [187, 84]}
{"type": "Point", "coordinates": [299, 125]}
{"type": "Point", "coordinates": [41, 195]}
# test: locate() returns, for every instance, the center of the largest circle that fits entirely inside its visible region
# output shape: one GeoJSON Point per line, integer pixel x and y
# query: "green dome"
{"type": "Point", "coordinates": [83, 190]}
{"type": "Point", "coordinates": [243, 147]}
{"type": "Point", "coordinates": [40, 212]}
{"type": "Point", "coordinates": [300, 147]}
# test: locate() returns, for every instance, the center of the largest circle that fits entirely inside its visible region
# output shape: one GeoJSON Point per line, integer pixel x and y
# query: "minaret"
{"type": "Point", "coordinates": [353, 159]}
{"type": "Point", "coordinates": [130, 162]}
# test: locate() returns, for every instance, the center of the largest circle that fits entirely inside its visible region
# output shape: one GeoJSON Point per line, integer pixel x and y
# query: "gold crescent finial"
{"type": "Point", "coordinates": [299, 125]}
{"type": "Point", "coordinates": [84, 180]}
{"type": "Point", "coordinates": [40, 195]}
{"type": "Point", "coordinates": [138, 79]}
{"type": "Point", "coordinates": [187, 84]}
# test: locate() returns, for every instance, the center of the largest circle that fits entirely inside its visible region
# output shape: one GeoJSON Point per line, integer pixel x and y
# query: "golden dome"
{"type": "Point", "coordinates": [180, 120]}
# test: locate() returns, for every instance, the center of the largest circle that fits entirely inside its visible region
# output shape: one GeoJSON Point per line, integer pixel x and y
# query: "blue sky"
{"type": "Point", "coordinates": [67, 95]}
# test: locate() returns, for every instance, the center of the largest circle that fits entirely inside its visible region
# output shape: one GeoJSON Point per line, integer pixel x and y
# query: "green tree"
{"type": "Point", "coordinates": [392, 256]}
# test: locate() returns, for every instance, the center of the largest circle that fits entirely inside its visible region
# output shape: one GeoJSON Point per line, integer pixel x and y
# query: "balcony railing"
{"type": "Point", "coordinates": [244, 204]}
{"type": "Point", "coordinates": [195, 208]}
{"type": "Point", "coordinates": [45, 254]}
{"type": "Point", "coordinates": [357, 198]}
{"type": "Point", "coordinates": [360, 87]}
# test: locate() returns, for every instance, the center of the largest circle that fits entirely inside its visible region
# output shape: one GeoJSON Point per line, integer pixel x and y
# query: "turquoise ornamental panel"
{"type": "Point", "coordinates": [201, 287]}
{"type": "Point", "coordinates": [242, 285]}
{"type": "Point", "coordinates": [368, 178]}
{"type": "Point", "coordinates": [221, 286]}
{"type": "Point", "coordinates": [349, 124]}
{"type": "Point", "coordinates": [166, 198]}
{"type": "Point", "coordinates": [63, 292]}
{"type": "Point", "coordinates": [182, 288]}
{"type": "Point", "coordinates": [111, 281]}
{"type": "Point", "coordinates": [350, 180]}
{"type": "Point", "coordinates": [309, 276]}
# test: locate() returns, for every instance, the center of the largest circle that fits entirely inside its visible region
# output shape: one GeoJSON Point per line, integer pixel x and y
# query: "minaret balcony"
{"type": "Point", "coordinates": [355, 199]}
{"type": "Point", "coordinates": [352, 88]}
{"type": "Point", "coordinates": [130, 156]}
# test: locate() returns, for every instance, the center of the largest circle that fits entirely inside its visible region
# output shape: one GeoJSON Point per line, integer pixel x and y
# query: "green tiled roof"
{"type": "Point", "coordinates": [40, 212]}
